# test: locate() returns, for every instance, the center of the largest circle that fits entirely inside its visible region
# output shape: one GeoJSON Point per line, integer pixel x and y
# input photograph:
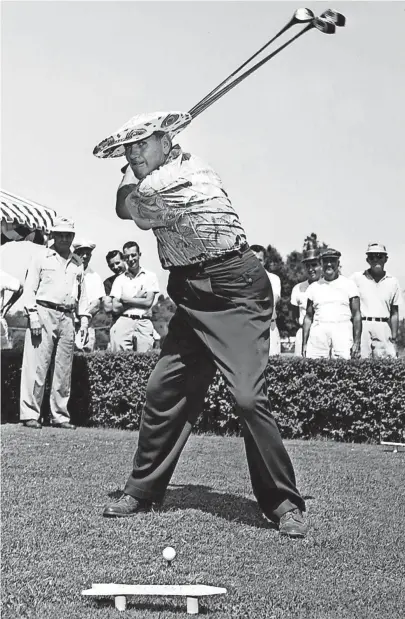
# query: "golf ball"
{"type": "Point", "coordinates": [169, 553]}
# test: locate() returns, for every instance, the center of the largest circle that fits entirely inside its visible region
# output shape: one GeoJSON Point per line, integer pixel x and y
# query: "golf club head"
{"type": "Point", "coordinates": [337, 18]}
{"type": "Point", "coordinates": [303, 15]}
{"type": "Point", "coordinates": [324, 25]}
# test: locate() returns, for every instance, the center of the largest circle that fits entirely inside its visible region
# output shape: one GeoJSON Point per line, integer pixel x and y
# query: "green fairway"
{"type": "Point", "coordinates": [55, 542]}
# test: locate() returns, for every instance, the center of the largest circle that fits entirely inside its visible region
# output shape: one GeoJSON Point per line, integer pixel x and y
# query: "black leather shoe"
{"type": "Point", "coordinates": [65, 426]}
{"type": "Point", "coordinates": [32, 423]}
{"type": "Point", "coordinates": [127, 506]}
{"type": "Point", "coordinates": [292, 524]}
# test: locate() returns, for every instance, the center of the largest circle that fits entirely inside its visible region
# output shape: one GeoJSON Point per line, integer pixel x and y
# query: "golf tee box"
{"type": "Point", "coordinates": [120, 593]}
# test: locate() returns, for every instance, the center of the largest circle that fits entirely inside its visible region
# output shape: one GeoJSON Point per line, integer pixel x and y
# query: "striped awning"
{"type": "Point", "coordinates": [22, 212]}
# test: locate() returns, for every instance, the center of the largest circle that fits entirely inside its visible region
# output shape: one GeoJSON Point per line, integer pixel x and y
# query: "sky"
{"type": "Point", "coordinates": [311, 142]}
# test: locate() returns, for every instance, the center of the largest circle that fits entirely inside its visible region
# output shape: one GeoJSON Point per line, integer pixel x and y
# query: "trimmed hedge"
{"type": "Point", "coordinates": [342, 400]}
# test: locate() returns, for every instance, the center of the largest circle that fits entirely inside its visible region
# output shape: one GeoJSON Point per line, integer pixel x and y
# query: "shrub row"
{"type": "Point", "coordinates": [343, 400]}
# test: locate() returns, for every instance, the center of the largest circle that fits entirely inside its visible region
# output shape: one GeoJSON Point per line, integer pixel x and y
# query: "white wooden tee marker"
{"type": "Point", "coordinates": [395, 446]}
{"type": "Point", "coordinates": [120, 593]}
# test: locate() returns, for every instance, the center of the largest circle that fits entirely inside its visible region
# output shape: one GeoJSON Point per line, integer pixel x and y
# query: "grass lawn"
{"type": "Point", "coordinates": [55, 543]}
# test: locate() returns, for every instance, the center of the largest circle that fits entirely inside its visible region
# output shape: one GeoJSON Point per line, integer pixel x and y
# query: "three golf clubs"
{"type": "Point", "coordinates": [326, 23]}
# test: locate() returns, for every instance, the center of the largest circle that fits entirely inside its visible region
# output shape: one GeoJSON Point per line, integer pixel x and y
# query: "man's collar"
{"type": "Point", "coordinates": [131, 276]}
{"type": "Point", "coordinates": [368, 274]}
{"type": "Point", "coordinates": [71, 257]}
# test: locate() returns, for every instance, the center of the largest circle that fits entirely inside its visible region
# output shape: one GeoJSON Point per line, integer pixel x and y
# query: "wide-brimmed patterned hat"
{"type": "Point", "coordinates": [140, 127]}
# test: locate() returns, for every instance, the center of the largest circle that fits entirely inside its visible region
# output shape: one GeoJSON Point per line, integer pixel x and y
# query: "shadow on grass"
{"type": "Point", "coordinates": [230, 507]}
{"type": "Point", "coordinates": [176, 607]}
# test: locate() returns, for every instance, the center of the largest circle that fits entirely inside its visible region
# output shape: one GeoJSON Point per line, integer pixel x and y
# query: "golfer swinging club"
{"type": "Point", "coordinates": [224, 305]}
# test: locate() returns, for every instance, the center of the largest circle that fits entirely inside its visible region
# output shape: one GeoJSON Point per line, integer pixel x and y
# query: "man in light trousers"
{"type": "Point", "coordinates": [54, 289]}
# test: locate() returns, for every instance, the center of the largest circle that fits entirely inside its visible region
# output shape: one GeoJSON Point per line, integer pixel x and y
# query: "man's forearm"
{"type": "Point", "coordinates": [151, 209]}
{"type": "Point", "coordinates": [394, 324]}
{"type": "Point", "coordinates": [357, 327]}
{"type": "Point", "coordinates": [306, 327]}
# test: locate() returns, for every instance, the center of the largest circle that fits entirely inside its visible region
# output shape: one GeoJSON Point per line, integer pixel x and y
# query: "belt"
{"type": "Point", "coordinates": [210, 261]}
{"type": "Point", "coordinates": [134, 317]}
{"type": "Point", "coordinates": [55, 306]}
{"type": "Point", "coordinates": [375, 319]}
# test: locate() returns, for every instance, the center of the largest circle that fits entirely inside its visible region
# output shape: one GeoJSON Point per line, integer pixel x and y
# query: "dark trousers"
{"type": "Point", "coordinates": [222, 321]}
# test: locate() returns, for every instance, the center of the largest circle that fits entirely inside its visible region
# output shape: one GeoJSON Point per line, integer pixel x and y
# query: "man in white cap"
{"type": "Point", "coordinates": [224, 305]}
{"type": "Point", "coordinates": [83, 248]}
{"type": "Point", "coordinates": [54, 289]}
{"type": "Point", "coordinates": [133, 293]}
{"type": "Point", "coordinates": [299, 294]}
{"type": "Point", "coordinates": [275, 342]}
{"type": "Point", "coordinates": [380, 296]}
{"type": "Point", "coordinates": [332, 323]}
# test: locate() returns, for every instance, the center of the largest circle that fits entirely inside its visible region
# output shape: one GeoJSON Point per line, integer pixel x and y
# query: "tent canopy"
{"type": "Point", "coordinates": [22, 219]}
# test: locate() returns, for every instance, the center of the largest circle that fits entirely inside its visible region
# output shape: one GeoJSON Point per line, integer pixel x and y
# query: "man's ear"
{"type": "Point", "coordinates": [167, 144]}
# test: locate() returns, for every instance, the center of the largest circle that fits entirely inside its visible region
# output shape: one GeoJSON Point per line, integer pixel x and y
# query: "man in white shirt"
{"type": "Point", "coordinates": [94, 290]}
{"type": "Point", "coordinates": [332, 324]}
{"type": "Point", "coordinates": [8, 283]}
{"type": "Point", "coordinates": [379, 299]}
{"type": "Point", "coordinates": [133, 294]}
{"type": "Point", "coordinates": [54, 291]}
{"type": "Point", "coordinates": [299, 294]}
{"type": "Point", "coordinates": [275, 344]}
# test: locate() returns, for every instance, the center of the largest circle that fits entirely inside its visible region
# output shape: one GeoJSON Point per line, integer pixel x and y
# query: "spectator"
{"type": "Point", "coordinates": [8, 283]}
{"type": "Point", "coordinates": [133, 294]}
{"type": "Point", "coordinates": [299, 294]}
{"type": "Point", "coordinates": [53, 290]}
{"type": "Point", "coordinates": [275, 344]}
{"type": "Point", "coordinates": [83, 248]}
{"type": "Point", "coordinates": [379, 299]}
{"type": "Point", "coordinates": [116, 263]}
{"type": "Point", "coordinates": [332, 324]}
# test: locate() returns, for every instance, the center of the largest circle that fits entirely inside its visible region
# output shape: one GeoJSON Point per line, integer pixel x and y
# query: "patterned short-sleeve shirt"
{"type": "Point", "coordinates": [191, 214]}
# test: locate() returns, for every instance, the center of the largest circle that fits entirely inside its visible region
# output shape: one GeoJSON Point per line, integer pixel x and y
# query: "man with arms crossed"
{"type": "Point", "coordinates": [133, 294]}
{"type": "Point", "coordinates": [379, 299]}
{"type": "Point", "coordinates": [332, 324]}
{"type": "Point", "coordinates": [53, 290]}
{"type": "Point", "coordinates": [222, 319]}
{"type": "Point", "coordinates": [299, 294]}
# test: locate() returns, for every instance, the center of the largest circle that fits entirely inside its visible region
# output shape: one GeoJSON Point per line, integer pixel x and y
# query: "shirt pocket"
{"type": "Point", "coordinates": [49, 275]}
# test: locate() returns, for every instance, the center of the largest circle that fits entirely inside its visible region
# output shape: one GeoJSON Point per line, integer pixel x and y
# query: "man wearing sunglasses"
{"type": "Point", "coordinates": [379, 299]}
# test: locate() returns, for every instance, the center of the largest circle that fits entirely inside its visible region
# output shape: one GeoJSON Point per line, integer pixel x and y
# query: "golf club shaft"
{"type": "Point", "coordinates": [209, 100]}
{"type": "Point", "coordinates": [243, 65]}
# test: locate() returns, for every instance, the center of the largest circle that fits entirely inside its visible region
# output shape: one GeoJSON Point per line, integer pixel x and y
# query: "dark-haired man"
{"type": "Point", "coordinates": [224, 305]}
{"type": "Point", "coordinates": [133, 293]}
{"type": "Point", "coordinates": [275, 342]}
{"type": "Point", "coordinates": [116, 264]}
